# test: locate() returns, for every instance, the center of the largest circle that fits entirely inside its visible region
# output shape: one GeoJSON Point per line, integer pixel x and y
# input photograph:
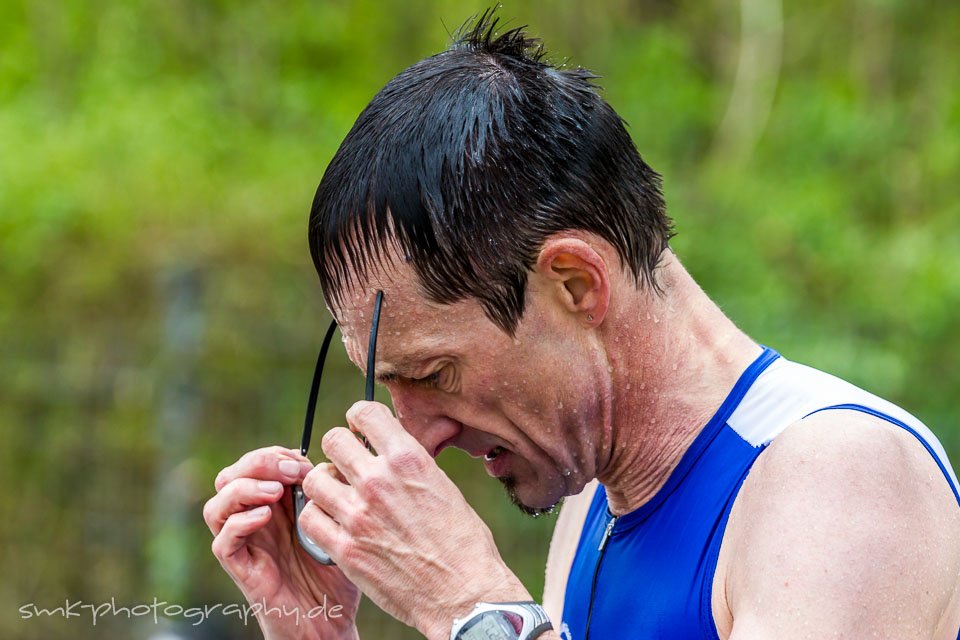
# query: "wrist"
{"type": "Point", "coordinates": [525, 620]}
{"type": "Point", "coordinates": [509, 590]}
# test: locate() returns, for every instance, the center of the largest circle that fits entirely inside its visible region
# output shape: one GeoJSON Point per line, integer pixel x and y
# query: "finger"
{"type": "Point", "coordinates": [239, 495]}
{"type": "Point", "coordinates": [375, 421]}
{"type": "Point", "coordinates": [322, 529]}
{"type": "Point", "coordinates": [238, 527]}
{"type": "Point", "coordinates": [327, 491]}
{"type": "Point", "coordinates": [270, 463]}
{"type": "Point", "coordinates": [346, 452]}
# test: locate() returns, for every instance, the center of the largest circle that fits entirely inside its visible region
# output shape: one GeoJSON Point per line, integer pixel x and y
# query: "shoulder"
{"type": "Point", "coordinates": [843, 458]}
{"type": "Point", "coordinates": [846, 518]}
{"type": "Point", "coordinates": [849, 456]}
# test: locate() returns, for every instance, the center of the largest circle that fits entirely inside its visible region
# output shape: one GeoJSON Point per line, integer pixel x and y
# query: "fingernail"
{"type": "Point", "coordinates": [259, 511]}
{"type": "Point", "coordinates": [289, 468]}
{"type": "Point", "coordinates": [269, 486]}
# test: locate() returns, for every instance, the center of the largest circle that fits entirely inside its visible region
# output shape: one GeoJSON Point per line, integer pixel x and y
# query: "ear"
{"type": "Point", "coordinates": [581, 277]}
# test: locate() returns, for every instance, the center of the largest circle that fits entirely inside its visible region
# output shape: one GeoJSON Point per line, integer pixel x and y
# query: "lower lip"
{"type": "Point", "coordinates": [498, 466]}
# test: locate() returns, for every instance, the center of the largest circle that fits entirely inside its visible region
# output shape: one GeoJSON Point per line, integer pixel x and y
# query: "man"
{"type": "Point", "coordinates": [535, 317]}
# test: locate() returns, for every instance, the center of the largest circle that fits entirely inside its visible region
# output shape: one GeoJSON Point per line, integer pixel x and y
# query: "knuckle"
{"type": "Point", "coordinates": [244, 459]}
{"type": "Point", "coordinates": [409, 461]}
{"type": "Point", "coordinates": [363, 411]}
{"type": "Point", "coordinates": [224, 477]}
{"type": "Point", "coordinates": [261, 462]}
{"type": "Point", "coordinates": [352, 519]}
{"type": "Point", "coordinates": [374, 485]}
{"type": "Point", "coordinates": [209, 509]}
{"type": "Point", "coordinates": [217, 547]}
{"type": "Point", "coordinates": [333, 439]}
{"type": "Point", "coordinates": [306, 517]}
{"type": "Point", "coordinates": [311, 483]}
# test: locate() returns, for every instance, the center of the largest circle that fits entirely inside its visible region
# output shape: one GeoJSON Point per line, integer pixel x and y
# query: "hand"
{"type": "Point", "coordinates": [256, 545]}
{"type": "Point", "coordinates": [400, 529]}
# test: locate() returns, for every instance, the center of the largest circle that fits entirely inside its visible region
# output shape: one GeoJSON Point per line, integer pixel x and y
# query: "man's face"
{"type": "Point", "coordinates": [527, 406]}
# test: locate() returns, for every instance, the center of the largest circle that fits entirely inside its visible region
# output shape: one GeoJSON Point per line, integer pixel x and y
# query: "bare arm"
{"type": "Point", "coordinates": [845, 528]}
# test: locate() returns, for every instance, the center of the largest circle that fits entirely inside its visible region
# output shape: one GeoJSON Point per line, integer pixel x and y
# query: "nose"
{"type": "Point", "coordinates": [423, 417]}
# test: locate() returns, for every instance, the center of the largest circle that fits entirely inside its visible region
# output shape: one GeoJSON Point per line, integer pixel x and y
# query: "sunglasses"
{"type": "Point", "coordinates": [299, 499]}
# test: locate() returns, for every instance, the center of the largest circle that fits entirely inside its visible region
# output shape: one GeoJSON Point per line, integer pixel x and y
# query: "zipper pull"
{"type": "Point", "coordinates": [606, 534]}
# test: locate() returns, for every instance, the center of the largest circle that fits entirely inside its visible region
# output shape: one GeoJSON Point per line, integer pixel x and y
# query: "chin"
{"type": "Point", "coordinates": [528, 506]}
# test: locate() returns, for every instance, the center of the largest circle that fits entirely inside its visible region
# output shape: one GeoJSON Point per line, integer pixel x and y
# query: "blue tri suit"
{"type": "Point", "coordinates": [648, 574]}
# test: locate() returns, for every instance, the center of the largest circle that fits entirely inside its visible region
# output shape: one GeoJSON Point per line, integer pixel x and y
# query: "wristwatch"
{"type": "Point", "coordinates": [502, 621]}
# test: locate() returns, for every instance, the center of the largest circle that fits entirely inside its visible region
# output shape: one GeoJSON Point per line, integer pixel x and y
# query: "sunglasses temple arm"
{"type": "Point", "coordinates": [372, 347]}
{"type": "Point", "coordinates": [315, 389]}
{"type": "Point", "coordinates": [299, 499]}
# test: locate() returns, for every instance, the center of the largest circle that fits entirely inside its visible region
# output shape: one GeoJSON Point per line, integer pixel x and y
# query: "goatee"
{"type": "Point", "coordinates": [510, 485]}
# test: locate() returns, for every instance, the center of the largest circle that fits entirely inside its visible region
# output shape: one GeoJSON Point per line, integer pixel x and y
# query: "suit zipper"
{"type": "Point", "coordinates": [596, 570]}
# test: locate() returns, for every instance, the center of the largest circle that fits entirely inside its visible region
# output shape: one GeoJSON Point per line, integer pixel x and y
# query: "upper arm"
{"type": "Point", "coordinates": [845, 528]}
{"type": "Point", "coordinates": [563, 546]}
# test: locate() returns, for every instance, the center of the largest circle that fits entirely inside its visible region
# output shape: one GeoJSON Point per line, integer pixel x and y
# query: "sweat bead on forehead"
{"type": "Point", "coordinates": [412, 327]}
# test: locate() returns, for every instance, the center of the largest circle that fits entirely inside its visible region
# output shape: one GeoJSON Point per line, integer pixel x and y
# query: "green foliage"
{"type": "Point", "coordinates": [152, 143]}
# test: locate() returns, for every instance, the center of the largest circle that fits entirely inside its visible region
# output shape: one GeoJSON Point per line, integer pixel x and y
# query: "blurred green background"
{"type": "Point", "coordinates": [159, 314]}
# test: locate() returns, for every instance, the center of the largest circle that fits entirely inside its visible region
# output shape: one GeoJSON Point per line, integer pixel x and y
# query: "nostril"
{"type": "Point", "coordinates": [449, 431]}
{"type": "Point", "coordinates": [440, 447]}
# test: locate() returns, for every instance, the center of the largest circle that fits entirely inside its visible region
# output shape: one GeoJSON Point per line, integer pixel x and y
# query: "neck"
{"type": "Point", "coordinates": [682, 358]}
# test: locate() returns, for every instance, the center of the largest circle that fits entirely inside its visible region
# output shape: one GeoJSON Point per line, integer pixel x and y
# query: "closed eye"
{"type": "Point", "coordinates": [430, 381]}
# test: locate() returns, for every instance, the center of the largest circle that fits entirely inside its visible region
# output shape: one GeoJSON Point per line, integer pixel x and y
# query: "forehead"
{"type": "Point", "coordinates": [411, 326]}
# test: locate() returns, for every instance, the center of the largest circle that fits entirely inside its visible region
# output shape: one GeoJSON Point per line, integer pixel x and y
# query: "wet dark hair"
{"type": "Point", "coordinates": [468, 160]}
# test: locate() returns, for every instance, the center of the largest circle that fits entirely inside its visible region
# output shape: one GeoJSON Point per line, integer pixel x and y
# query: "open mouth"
{"type": "Point", "coordinates": [493, 453]}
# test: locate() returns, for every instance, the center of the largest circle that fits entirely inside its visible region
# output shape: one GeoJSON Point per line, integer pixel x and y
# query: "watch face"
{"type": "Point", "coordinates": [491, 625]}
